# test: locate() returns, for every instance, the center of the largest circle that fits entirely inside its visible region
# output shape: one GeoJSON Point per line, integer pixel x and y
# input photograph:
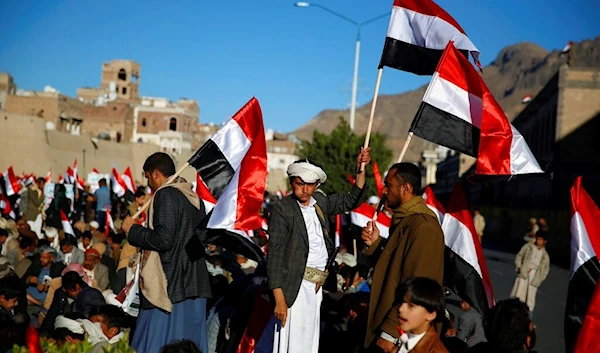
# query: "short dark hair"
{"type": "Point", "coordinates": [87, 234]}
{"type": "Point", "coordinates": [3, 232]}
{"type": "Point", "coordinates": [139, 193]}
{"type": "Point", "coordinates": [25, 242]}
{"type": "Point", "coordinates": [181, 346]}
{"type": "Point", "coordinates": [68, 240]}
{"type": "Point", "coordinates": [113, 315]}
{"type": "Point", "coordinates": [71, 279]}
{"type": "Point", "coordinates": [425, 292]}
{"type": "Point", "coordinates": [10, 293]}
{"type": "Point", "coordinates": [116, 237]}
{"type": "Point", "coordinates": [507, 325]}
{"type": "Point", "coordinates": [102, 181]}
{"type": "Point", "coordinates": [60, 334]}
{"type": "Point", "coordinates": [160, 161]}
{"type": "Point", "coordinates": [408, 173]}
{"type": "Point", "coordinates": [541, 234]}
{"type": "Point", "coordinates": [40, 180]}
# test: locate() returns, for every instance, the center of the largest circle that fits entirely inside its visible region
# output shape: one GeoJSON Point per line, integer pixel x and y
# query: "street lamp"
{"type": "Point", "coordinates": [357, 53]}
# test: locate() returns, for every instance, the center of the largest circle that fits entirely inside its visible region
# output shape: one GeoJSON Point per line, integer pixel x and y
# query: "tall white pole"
{"type": "Point", "coordinates": [355, 82]}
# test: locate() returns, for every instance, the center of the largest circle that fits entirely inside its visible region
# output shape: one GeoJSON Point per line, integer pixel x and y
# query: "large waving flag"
{"type": "Point", "coordinates": [585, 267]}
{"type": "Point", "coordinates": [117, 184]}
{"type": "Point", "coordinates": [11, 183]}
{"type": "Point", "coordinates": [465, 269]}
{"type": "Point", "coordinates": [127, 178]}
{"type": "Point", "coordinates": [233, 165]}
{"type": "Point", "coordinates": [66, 224]}
{"type": "Point", "coordinates": [434, 204]}
{"type": "Point", "coordinates": [458, 111]}
{"type": "Point", "coordinates": [417, 35]}
{"type": "Point", "coordinates": [364, 213]}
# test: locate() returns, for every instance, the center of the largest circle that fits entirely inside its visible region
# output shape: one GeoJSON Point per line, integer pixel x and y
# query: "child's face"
{"type": "Point", "coordinates": [85, 241]}
{"type": "Point", "coordinates": [8, 304]}
{"type": "Point", "coordinates": [414, 318]}
{"type": "Point", "coordinates": [540, 242]}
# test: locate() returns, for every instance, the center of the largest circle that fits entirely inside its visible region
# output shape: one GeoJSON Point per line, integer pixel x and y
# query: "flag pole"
{"type": "Point", "coordinates": [170, 180]}
{"type": "Point", "coordinates": [373, 104]}
{"type": "Point", "coordinates": [405, 147]}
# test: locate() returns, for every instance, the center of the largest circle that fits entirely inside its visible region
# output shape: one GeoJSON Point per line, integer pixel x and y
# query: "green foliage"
{"type": "Point", "coordinates": [337, 153]}
{"type": "Point", "coordinates": [84, 347]}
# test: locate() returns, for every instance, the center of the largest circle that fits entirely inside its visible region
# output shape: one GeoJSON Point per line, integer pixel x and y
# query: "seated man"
{"type": "Point", "coordinates": [68, 330]}
{"type": "Point", "coordinates": [111, 319]}
{"type": "Point", "coordinates": [94, 269]}
{"type": "Point", "coordinates": [38, 277]}
{"type": "Point", "coordinates": [70, 253]}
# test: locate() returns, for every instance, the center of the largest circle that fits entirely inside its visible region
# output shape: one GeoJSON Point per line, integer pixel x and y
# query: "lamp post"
{"type": "Point", "coordinates": [356, 54]}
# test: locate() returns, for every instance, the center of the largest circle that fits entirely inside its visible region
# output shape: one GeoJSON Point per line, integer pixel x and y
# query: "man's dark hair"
{"type": "Point", "coordinates": [3, 232]}
{"type": "Point", "coordinates": [10, 293]}
{"type": "Point", "coordinates": [507, 325]}
{"type": "Point", "coordinates": [60, 334]}
{"type": "Point", "coordinates": [87, 234]}
{"type": "Point", "coordinates": [102, 182]}
{"type": "Point", "coordinates": [71, 279]}
{"type": "Point", "coordinates": [116, 237]}
{"type": "Point", "coordinates": [160, 161]}
{"type": "Point", "coordinates": [408, 173]}
{"type": "Point", "coordinates": [425, 292]}
{"type": "Point", "coordinates": [363, 270]}
{"type": "Point", "coordinates": [25, 242]}
{"type": "Point", "coordinates": [112, 315]}
{"type": "Point", "coordinates": [40, 180]}
{"type": "Point", "coordinates": [139, 193]}
{"type": "Point", "coordinates": [181, 346]}
{"type": "Point", "coordinates": [68, 240]}
{"type": "Point", "coordinates": [541, 234]}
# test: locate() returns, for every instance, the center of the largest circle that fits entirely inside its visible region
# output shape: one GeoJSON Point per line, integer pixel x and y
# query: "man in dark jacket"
{"type": "Point", "coordinates": [299, 247]}
{"type": "Point", "coordinates": [174, 288]}
{"type": "Point", "coordinates": [83, 297]}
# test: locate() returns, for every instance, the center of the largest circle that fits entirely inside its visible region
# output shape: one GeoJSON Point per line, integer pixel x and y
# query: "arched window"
{"type": "Point", "coordinates": [122, 75]}
{"type": "Point", "coordinates": [173, 124]}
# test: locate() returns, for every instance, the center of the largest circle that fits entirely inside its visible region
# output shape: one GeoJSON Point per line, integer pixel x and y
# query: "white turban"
{"type": "Point", "coordinates": [309, 173]}
{"type": "Point", "coordinates": [71, 325]}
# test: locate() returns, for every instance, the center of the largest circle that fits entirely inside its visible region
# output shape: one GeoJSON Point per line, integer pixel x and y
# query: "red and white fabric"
{"type": "Point", "coordinates": [364, 213]}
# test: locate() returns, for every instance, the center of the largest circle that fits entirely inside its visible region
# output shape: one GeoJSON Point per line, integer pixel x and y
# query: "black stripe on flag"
{"type": "Point", "coordinates": [581, 290]}
{"type": "Point", "coordinates": [461, 278]}
{"type": "Point", "coordinates": [410, 57]}
{"type": "Point", "coordinates": [443, 128]}
{"type": "Point", "coordinates": [213, 167]}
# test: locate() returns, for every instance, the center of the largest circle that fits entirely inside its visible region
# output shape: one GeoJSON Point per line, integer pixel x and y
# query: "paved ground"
{"type": "Point", "coordinates": [551, 299]}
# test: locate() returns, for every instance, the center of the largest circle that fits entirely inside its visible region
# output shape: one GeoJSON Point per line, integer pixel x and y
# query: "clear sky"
{"type": "Point", "coordinates": [296, 61]}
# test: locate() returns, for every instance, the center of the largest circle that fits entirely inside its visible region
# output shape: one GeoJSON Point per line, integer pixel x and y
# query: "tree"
{"type": "Point", "coordinates": [336, 154]}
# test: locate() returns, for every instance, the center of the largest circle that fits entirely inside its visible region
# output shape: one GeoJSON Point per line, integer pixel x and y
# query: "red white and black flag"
{"type": "Point", "coordinates": [11, 183]}
{"type": "Point", "coordinates": [585, 267]}
{"type": "Point", "coordinates": [567, 48]}
{"type": "Point", "coordinates": [117, 184]}
{"type": "Point", "coordinates": [434, 204]}
{"type": "Point", "coordinates": [233, 165]}
{"type": "Point", "coordinates": [66, 224]}
{"type": "Point", "coordinates": [459, 111]}
{"type": "Point", "coordinates": [127, 178]}
{"type": "Point", "coordinates": [417, 35]}
{"type": "Point", "coordinates": [364, 213]}
{"type": "Point", "coordinates": [204, 194]}
{"type": "Point", "coordinates": [465, 269]}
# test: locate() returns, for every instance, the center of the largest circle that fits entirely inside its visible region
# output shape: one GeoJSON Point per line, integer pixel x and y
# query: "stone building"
{"type": "Point", "coordinates": [7, 87]}
{"type": "Point", "coordinates": [119, 80]}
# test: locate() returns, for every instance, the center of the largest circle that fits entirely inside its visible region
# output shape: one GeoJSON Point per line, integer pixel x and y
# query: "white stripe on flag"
{"type": "Point", "coordinates": [361, 220]}
{"type": "Point", "coordinates": [233, 143]}
{"type": "Point", "coordinates": [460, 240]}
{"type": "Point", "coordinates": [225, 212]}
{"type": "Point", "coordinates": [426, 31]}
{"type": "Point", "coordinates": [439, 214]}
{"type": "Point", "coordinates": [522, 160]}
{"type": "Point", "coordinates": [452, 99]}
{"type": "Point", "coordinates": [581, 248]}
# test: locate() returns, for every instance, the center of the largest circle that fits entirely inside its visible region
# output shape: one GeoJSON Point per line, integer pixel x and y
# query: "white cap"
{"type": "Point", "coordinates": [94, 224]}
{"type": "Point", "coordinates": [373, 200]}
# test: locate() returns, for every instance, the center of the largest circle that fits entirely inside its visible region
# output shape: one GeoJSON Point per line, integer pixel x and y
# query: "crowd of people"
{"type": "Point", "coordinates": [78, 281]}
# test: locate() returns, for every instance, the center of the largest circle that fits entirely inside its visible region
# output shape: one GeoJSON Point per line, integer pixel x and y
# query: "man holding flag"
{"type": "Point", "coordinates": [299, 248]}
{"type": "Point", "coordinates": [173, 287]}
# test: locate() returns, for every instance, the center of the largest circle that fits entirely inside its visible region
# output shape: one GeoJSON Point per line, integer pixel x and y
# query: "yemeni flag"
{"type": "Point", "coordinates": [465, 270]}
{"type": "Point", "coordinates": [61, 180]}
{"type": "Point", "coordinates": [110, 225]}
{"type": "Point", "coordinates": [204, 194]}
{"type": "Point", "coordinates": [11, 183]}
{"type": "Point", "coordinates": [526, 99]}
{"type": "Point", "coordinates": [127, 178]}
{"type": "Point", "coordinates": [458, 111]}
{"type": "Point", "coordinates": [6, 206]}
{"type": "Point", "coordinates": [417, 35]}
{"type": "Point", "coordinates": [434, 204]}
{"type": "Point", "coordinates": [117, 184]}
{"type": "Point", "coordinates": [585, 267]}
{"type": "Point", "coordinates": [566, 49]}
{"type": "Point", "coordinates": [49, 176]}
{"type": "Point", "coordinates": [70, 176]}
{"type": "Point", "coordinates": [364, 213]}
{"type": "Point", "coordinates": [338, 230]}
{"type": "Point", "coordinates": [378, 179]}
{"type": "Point", "coordinates": [66, 224]}
{"type": "Point", "coordinates": [94, 170]}
{"type": "Point", "coordinates": [587, 340]}
{"type": "Point", "coordinates": [233, 165]}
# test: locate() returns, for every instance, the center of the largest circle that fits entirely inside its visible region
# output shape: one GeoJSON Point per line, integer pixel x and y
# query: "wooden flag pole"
{"type": "Point", "coordinates": [373, 104]}
{"type": "Point", "coordinates": [169, 181]}
{"type": "Point", "coordinates": [405, 147]}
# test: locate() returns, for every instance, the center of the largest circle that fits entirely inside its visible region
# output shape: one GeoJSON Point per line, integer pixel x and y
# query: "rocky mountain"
{"type": "Point", "coordinates": [518, 70]}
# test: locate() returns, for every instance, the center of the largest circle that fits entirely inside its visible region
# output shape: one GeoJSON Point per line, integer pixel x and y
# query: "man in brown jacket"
{"type": "Point", "coordinates": [415, 248]}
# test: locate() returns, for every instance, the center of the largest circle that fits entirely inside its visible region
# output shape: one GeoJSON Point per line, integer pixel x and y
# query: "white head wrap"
{"type": "Point", "coordinates": [309, 173]}
{"type": "Point", "coordinates": [71, 325]}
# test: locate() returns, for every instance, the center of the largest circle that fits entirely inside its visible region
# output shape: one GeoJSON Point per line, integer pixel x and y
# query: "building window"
{"type": "Point", "coordinates": [144, 122]}
{"type": "Point", "coordinates": [124, 90]}
{"type": "Point", "coordinates": [173, 124]}
{"type": "Point", "coordinates": [122, 75]}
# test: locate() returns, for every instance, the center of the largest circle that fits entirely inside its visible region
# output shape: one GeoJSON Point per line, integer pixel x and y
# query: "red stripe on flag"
{"type": "Point", "coordinates": [590, 330]}
{"type": "Point", "coordinates": [495, 139]}
{"type": "Point", "coordinates": [378, 180]}
{"type": "Point", "coordinates": [583, 203]}
{"type": "Point", "coordinates": [351, 179]}
{"type": "Point", "coordinates": [203, 192]}
{"type": "Point", "coordinates": [455, 68]}
{"type": "Point", "coordinates": [429, 8]}
{"type": "Point", "coordinates": [253, 169]}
